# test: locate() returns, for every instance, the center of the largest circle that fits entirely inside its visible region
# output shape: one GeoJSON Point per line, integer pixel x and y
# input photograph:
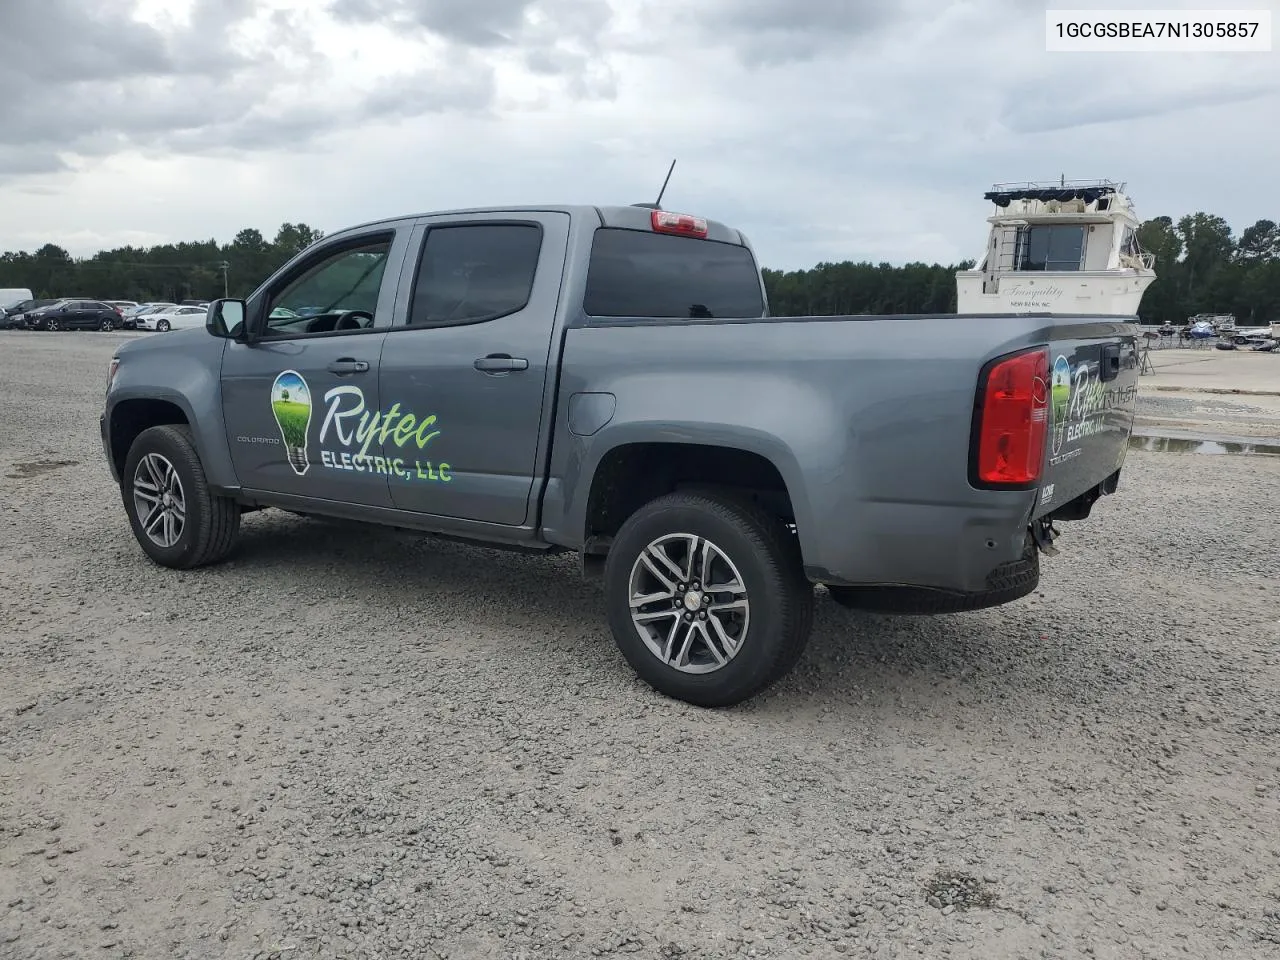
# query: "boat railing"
{"type": "Point", "coordinates": [1138, 261]}
{"type": "Point", "coordinates": [1117, 186]}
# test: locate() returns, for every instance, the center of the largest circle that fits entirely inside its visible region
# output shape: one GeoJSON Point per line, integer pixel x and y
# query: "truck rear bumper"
{"type": "Point", "coordinates": [944, 547]}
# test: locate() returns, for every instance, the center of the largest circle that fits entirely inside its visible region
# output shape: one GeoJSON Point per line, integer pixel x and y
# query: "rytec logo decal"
{"type": "Point", "coordinates": [1060, 399]}
{"type": "Point", "coordinates": [347, 422]}
{"type": "Point", "coordinates": [1077, 398]}
{"type": "Point", "coordinates": [291, 403]}
{"type": "Point", "coordinates": [390, 426]}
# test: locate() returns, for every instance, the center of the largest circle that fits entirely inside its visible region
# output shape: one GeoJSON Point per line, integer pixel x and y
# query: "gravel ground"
{"type": "Point", "coordinates": [350, 743]}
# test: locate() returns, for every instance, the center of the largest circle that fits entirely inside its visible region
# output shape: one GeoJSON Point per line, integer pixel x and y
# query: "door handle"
{"type": "Point", "coordinates": [1109, 369]}
{"type": "Point", "coordinates": [347, 365]}
{"type": "Point", "coordinates": [501, 363]}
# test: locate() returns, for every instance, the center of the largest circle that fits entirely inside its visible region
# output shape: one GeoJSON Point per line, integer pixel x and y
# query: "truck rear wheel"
{"type": "Point", "coordinates": [707, 598]}
{"type": "Point", "coordinates": [177, 521]}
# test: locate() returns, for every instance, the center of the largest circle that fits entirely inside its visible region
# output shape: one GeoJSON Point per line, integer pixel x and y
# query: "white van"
{"type": "Point", "coordinates": [12, 296]}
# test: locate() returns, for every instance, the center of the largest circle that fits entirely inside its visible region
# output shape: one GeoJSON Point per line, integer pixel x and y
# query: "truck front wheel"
{"type": "Point", "coordinates": [177, 521]}
{"type": "Point", "coordinates": [707, 598]}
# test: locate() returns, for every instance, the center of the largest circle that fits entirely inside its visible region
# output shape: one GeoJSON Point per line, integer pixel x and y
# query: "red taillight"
{"type": "Point", "coordinates": [678, 223]}
{"type": "Point", "coordinates": [1014, 420]}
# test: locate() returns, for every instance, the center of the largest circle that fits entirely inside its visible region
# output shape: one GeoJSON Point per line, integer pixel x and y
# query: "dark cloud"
{"type": "Point", "coordinates": [475, 23]}
{"type": "Point", "coordinates": [56, 37]}
{"type": "Point", "coordinates": [84, 73]}
{"type": "Point", "coordinates": [544, 30]}
{"type": "Point", "coordinates": [16, 162]}
{"type": "Point", "coordinates": [461, 83]}
{"type": "Point", "coordinates": [83, 77]}
{"type": "Point", "coordinates": [1046, 113]}
{"type": "Point", "coordinates": [773, 32]}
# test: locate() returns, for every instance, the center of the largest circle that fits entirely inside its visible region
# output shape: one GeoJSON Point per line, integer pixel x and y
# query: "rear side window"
{"type": "Point", "coordinates": [472, 273]}
{"type": "Point", "coordinates": [638, 274]}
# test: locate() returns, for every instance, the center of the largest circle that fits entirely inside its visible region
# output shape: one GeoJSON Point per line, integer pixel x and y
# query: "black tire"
{"type": "Point", "coordinates": [1006, 583]}
{"type": "Point", "coordinates": [767, 558]}
{"type": "Point", "coordinates": [51, 324]}
{"type": "Point", "coordinates": [162, 326]}
{"type": "Point", "coordinates": [106, 326]}
{"type": "Point", "coordinates": [212, 523]}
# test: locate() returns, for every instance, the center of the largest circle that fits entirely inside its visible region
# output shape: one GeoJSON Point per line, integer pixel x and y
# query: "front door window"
{"type": "Point", "coordinates": [340, 293]}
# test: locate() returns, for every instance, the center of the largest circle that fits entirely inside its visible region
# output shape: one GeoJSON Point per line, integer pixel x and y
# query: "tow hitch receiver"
{"type": "Point", "coordinates": [1044, 533]}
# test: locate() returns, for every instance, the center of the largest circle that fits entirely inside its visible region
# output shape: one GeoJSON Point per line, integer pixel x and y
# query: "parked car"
{"type": "Point", "coordinates": [153, 307]}
{"type": "Point", "coordinates": [146, 310]}
{"type": "Point", "coordinates": [172, 318]}
{"type": "Point", "coordinates": [12, 296]}
{"type": "Point", "coordinates": [608, 381]}
{"type": "Point", "coordinates": [72, 314]}
{"type": "Point", "coordinates": [123, 307]}
{"type": "Point", "coordinates": [14, 317]}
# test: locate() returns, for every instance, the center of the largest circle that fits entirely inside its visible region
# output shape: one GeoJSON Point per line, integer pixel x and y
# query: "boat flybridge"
{"type": "Point", "coordinates": [1069, 246]}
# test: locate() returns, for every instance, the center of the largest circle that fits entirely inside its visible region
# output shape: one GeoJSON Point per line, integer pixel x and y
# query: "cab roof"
{"type": "Point", "coordinates": [627, 217]}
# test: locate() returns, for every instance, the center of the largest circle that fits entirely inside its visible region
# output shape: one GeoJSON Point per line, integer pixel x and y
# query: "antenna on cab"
{"type": "Point", "coordinates": [657, 204]}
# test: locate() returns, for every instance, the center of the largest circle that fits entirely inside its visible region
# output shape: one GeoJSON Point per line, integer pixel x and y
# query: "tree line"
{"type": "Point", "coordinates": [169, 272]}
{"type": "Point", "coordinates": [1201, 267]}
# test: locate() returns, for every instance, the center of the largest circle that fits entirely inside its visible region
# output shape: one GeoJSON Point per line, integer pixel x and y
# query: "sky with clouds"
{"type": "Point", "coordinates": [862, 129]}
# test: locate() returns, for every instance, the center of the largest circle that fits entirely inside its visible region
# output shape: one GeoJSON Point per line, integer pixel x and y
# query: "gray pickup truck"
{"type": "Point", "coordinates": [608, 381]}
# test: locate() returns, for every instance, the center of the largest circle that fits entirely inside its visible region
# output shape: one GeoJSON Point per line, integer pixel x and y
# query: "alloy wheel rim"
{"type": "Point", "coordinates": [159, 501]}
{"type": "Point", "coordinates": [689, 603]}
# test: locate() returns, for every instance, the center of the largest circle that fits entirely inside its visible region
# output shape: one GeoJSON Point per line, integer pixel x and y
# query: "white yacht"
{"type": "Point", "coordinates": [1069, 246]}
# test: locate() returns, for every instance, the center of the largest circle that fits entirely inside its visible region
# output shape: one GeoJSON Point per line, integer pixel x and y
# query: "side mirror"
{"type": "Point", "coordinates": [226, 319]}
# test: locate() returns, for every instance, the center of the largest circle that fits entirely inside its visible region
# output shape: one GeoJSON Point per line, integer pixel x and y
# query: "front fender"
{"type": "Point", "coordinates": [188, 376]}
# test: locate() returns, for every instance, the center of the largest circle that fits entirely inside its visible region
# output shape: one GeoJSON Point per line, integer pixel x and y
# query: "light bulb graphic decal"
{"type": "Point", "coordinates": [1060, 398]}
{"type": "Point", "coordinates": [291, 403]}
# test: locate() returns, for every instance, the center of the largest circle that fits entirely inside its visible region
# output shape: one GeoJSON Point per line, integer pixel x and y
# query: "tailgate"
{"type": "Point", "coordinates": [1093, 390]}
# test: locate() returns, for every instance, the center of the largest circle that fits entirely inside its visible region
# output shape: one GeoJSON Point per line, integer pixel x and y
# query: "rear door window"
{"type": "Point", "coordinates": [634, 273]}
{"type": "Point", "coordinates": [475, 272]}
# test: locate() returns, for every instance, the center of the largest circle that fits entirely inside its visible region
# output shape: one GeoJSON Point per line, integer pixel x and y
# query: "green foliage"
{"type": "Point", "coordinates": [1200, 267]}
{"type": "Point", "coordinates": [171, 271]}
{"type": "Point", "coordinates": [832, 289]}
{"type": "Point", "coordinates": [293, 418]}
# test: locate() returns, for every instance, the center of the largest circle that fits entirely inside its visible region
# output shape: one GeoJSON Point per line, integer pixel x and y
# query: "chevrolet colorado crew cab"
{"type": "Point", "coordinates": [609, 381]}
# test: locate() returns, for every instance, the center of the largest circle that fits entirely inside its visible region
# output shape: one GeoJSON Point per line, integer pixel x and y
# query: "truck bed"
{"type": "Point", "coordinates": [877, 413]}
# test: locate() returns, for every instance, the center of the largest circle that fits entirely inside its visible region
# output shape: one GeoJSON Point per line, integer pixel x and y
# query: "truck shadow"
{"type": "Point", "coordinates": [541, 607]}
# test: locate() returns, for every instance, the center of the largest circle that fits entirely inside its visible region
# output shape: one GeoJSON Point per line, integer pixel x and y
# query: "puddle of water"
{"type": "Point", "coordinates": [1160, 444]}
{"type": "Point", "coordinates": [23, 471]}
